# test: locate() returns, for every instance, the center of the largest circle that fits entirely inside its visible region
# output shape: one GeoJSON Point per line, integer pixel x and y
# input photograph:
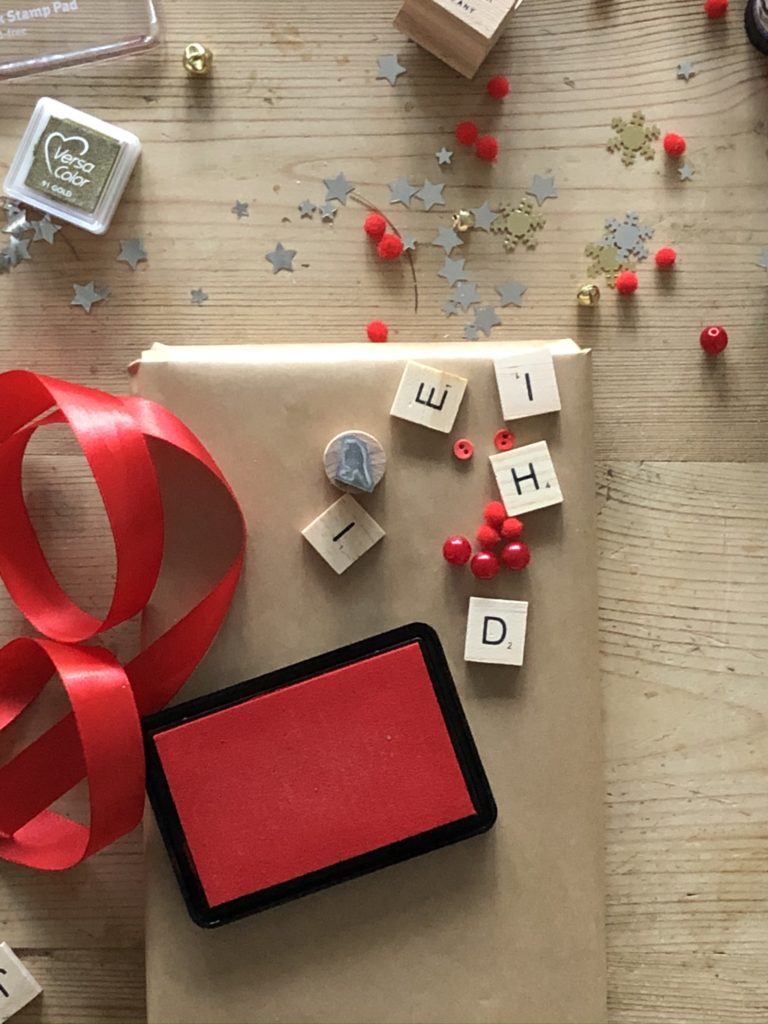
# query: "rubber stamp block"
{"type": "Point", "coordinates": [17, 986]}
{"type": "Point", "coordinates": [527, 479]}
{"type": "Point", "coordinates": [527, 384]}
{"type": "Point", "coordinates": [343, 533]}
{"type": "Point", "coordinates": [429, 397]}
{"type": "Point", "coordinates": [496, 631]}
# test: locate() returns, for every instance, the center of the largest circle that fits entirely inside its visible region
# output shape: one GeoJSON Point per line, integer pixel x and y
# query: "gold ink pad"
{"type": "Point", "coordinates": [72, 165]}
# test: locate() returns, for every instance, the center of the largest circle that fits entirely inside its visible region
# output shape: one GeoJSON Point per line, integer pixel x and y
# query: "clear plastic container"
{"type": "Point", "coordinates": [60, 33]}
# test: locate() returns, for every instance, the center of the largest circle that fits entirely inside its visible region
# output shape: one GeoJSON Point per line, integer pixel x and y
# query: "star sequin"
{"type": "Point", "coordinates": [390, 68]}
{"type": "Point", "coordinates": [132, 252]}
{"type": "Point", "coordinates": [327, 211]}
{"type": "Point", "coordinates": [543, 187]}
{"type": "Point", "coordinates": [87, 295]}
{"type": "Point", "coordinates": [686, 172]}
{"type": "Point", "coordinates": [240, 210]}
{"type": "Point", "coordinates": [686, 70]}
{"type": "Point", "coordinates": [44, 230]}
{"type": "Point", "coordinates": [431, 194]}
{"type": "Point", "coordinates": [281, 258]}
{"type": "Point", "coordinates": [409, 241]}
{"type": "Point", "coordinates": [306, 208]}
{"type": "Point", "coordinates": [338, 188]}
{"type": "Point", "coordinates": [452, 270]}
{"type": "Point", "coordinates": [466, 294]}
{"type": "Point", "coordinates": [444, 156]}
{"type": "Point", "coordinates": [198, 296]}
{"type": "Point", "coordinates": [484, 216]}
{"type": "Point", "coordinates": [402, 191]}
{"type": "Point", "coordinates": [447, 239]}
{"type": "Point", "coordinates": [511, 293]}
{"type": "Point", "coordinates": [486, 319]}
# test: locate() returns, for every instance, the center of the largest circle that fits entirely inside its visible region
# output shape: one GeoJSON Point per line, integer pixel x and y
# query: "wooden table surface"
{"type": "Point", "coordinates": [681, 439]}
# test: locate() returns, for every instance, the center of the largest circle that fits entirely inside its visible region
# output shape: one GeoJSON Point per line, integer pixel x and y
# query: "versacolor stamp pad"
{"type": "Point", "coordinates": [72, 165]}
{"type": "Point", "coordinates": [315, 774]}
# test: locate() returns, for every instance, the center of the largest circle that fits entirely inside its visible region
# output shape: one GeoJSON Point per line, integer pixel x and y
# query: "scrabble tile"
{"type": "Point", "coordinates": [526, 478]}
{"type": "Point", "coordinates": [17, 986]}
{"type": "Point", "coordinates": [496, 631]}
{"type": "Point", "coordinates": [429, 397]}
{"type": "Point", "coordinates": [527, 384]}
{"type": "Point", "coordinates": [343, 533]}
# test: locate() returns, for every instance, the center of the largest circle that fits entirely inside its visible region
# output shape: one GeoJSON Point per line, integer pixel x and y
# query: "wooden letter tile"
{"type": "Point", "coordinates": [428, 396]}
{"type": "Point", "coordinates": [527, 384]}
{"type": "Point", "coordinates": [496, 631]}
{"type": "Point", "coordinates": [343, 533]}
{"type": "Point", "coordinates": [526, 478]}
{"type": "Point", "coordinates": [17, 986]}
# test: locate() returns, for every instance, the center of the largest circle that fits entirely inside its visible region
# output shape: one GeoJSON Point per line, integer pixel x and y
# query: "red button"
{"type": "Point", "coordinates": [504, 440]}
{"type": "Point", "coordinates": [463, 449]}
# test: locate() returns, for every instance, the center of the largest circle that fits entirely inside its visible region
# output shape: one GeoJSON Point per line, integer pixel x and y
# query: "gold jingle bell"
{"type": "Point", "coordinates": [198, 59]}
{"type": "Point", "coordinates": [588, 295]}
{"type": "Point", "coordinates": [463, 220]}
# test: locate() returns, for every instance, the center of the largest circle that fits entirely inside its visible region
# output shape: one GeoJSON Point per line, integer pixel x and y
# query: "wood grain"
{"type": "Point", "coordinates": [682, 440]}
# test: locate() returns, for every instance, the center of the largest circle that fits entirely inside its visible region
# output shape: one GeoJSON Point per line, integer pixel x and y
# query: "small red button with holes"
{"type": "Point", "coordinates": [504, 440]}
{"type": "Point", "coordinates": [463, 449]}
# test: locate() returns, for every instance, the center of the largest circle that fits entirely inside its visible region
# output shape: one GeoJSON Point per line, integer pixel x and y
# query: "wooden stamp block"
{"type": "Point", "coordinates": [459, 32]}
{"type": "Point", "coordinates": [429, 397]}
{"type": "Point", "coordinates": [496, 631]}
{"type": "Point", "coordinates": [527, 384]}
{"type": "Point", "coordinates": [526, 478]}
{"type": "Point", "coordinates": [354, 461]}
{"type": "Point", "coordinates": [17, 986]}
{"type": "Point", "coordinates": [343, 533]}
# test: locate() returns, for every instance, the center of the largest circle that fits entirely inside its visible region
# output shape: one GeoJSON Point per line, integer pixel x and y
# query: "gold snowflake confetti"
{"type": "Point", "coordinates": [633, 138]}
{"type": "Point", "coordinates": [518, 224]}
{"type": "Point", "coordinates": [606, 259]}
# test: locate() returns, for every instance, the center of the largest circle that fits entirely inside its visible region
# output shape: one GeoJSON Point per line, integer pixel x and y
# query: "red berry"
{"type": "Point", "coordinates": [466, 132]}
{"type": "Point", "coordinates": [666, 258]}
{"type": "Point", "coordinates": [516, 555]}
{"type": "Point", "coordinates": [498, 87]}
{"type": "Point", "coordinates": [487, 536]}
{"type": "Point", "coordinates": [377, 331]}
{"type": "Point", "coordinates": [626, 282]}
{"type": "Point", "coordinates": [713, 339]}
{"type": "Point", "coordinates": [512, 529]}
{"type": "Point", "coordinates": [494, 513]}
{"type": "Point", "coordinates": [457, 550]}
{"type": "Point", "coordinates": [484, 565]}
{"type": "Point", "coordinates": [674, 144]}
{"type": "Point", "coordinates": [716, 8]}
{"type": "Point", "coordinates": [504, 440]}
{"type": "Point", "coordinates": [390, 247]}
{"type": "Point", "coordinates": [487, 148]}
{"type": "Point", "coordinates": [463, 449]}
{"type": "Point", "coordinates": [375, 225]}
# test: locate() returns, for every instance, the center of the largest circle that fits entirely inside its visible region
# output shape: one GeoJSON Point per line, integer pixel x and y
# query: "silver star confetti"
{"type": "Point", "coordinates": [486, 319]}
{"type": "Point", "coordinates": [450, 308]}
{"type": "Point", "coordinates": [409, 241]}
{"type": "Point", "coordinates": [198, 296]}
{"type": "Point", "coordinates": [338, 188]}
{"type": "Point", "coordinates": [281, 258]}
{"type": "Point", "coordinates": [444, 156]}
{"type": "Point", "coordinates": [5, 262]}
{"type": "Point", "coordinates": [762, 260]}
{"type": "Point", "coordinates": [484, 216]}
{"type": "Point", "coordinates": [686, 70]}
{"type": "Point", "coordinates": [16, 223]}
{"type": "Point", "coordinates": [390, 68]}
{"type": "Point", "coordinates": [402, 191]}
{"type": "Point", "coordinates": [686, 172]}
{"type": "Point", "coordinates": [306, 208]}
{"type": "Point", "coordinates": [511, 293]}
{"type": "Point", "coordinates": [466, 294]}
{"type": "Point", "coordinates": [447, 239]}
{"type": "Point", "coordinates": [452, 270]}
{"type": "Point", "coordinates": [132, 252]}
{"type": "Point", "coordinates": [45, 230]}
{"type": "Point", "coordinates": [17, 250]}
{"type": "Point", "coordinates": [431, 194]}
{"type": "Point", "coordinates": [87, 295]}
{"type": "Point", "coordinates": [543, 187]}
{"type": "Point", "coordinates": [471, 333]}
{"type": "Point", "coordinates": [240, 210]}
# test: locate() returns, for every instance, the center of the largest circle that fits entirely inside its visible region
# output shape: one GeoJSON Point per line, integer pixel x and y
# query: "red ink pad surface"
{"type": "Point", "coordinates": [315, 774]}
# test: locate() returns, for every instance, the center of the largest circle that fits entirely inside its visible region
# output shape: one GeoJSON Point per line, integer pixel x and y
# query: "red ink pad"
{"type": "Point", "coordinates": [315, 774]}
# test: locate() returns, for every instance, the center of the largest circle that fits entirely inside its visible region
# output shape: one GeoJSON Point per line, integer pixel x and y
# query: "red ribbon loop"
{"type": "Point", "coordinates": [101, 738]}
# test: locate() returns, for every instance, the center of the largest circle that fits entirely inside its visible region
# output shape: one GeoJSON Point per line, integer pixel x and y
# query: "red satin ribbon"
{"type": "Point", "coordinates": [101, 738]}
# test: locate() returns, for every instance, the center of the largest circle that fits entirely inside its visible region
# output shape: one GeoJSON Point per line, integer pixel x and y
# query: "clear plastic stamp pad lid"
{"type": "Point", "coordinates": [61, 33]}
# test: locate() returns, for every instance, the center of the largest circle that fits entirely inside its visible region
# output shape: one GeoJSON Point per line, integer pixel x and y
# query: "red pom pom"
{"type": "Point", "coordinates": [498, 87]}
{"type": "Point", "coordinates": [626, 282]}
{"type": "Point", "coordinates": [375, 226]}
{"type": "Point", "coordinates": [716, 8]}
{"type": "Point", "coordinates": [713, 339]}
{"type": "Point", "coordinates": [377, 331]}
{"type": "Point", "coordinates": [487, 148]}
{"type": "Point", "coordinates": [484, 565]}
{"type": "Point", "coordinates": [512, 529]}
{"type": "Point", "coordinates": [665, 258]}
{"type": "Point", "coordinates": [390, 247]}
{"type": "Point", "coordinates": [494, 513]}
{"type": "Point", "coordinates": [457, 550]}
{"type": "Point", "coordinates": [674, 144]}
{"type": "Point", "coordinates": [466, 132]}
{"type": "Point", "coordinates": [516, 555]}
{"type": "Point", "coordinates": [487, 536]}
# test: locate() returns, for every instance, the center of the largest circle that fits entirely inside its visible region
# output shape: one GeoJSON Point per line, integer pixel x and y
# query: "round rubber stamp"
{"type": "Point", "coordinates": [354, 461]}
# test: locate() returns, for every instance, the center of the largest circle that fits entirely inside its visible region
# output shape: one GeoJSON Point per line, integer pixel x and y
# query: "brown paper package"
{"type": "Point", "coordinates": [508, 926]}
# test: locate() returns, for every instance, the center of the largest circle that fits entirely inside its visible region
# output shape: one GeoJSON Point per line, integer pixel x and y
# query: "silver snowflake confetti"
{"type": "Point", "coordinates": [132, 252]}
{"type": "Point", "coordinates": [240, 210]}
{"type": "Point", "coordinates": [452, 271]}
{"type": "Point", "coordinates": [686, 70]}
{"type": "Point", "coordinates": [449, 307]}
{"type": "Point", "coordinates": [390, 68]}
{"type": "Point", "coordinates": [306, 208]}
{"type": "Point", "coordinates": [281, 258]}
{"type": "Point", "coordinates": [431, 194]}
{"type": "Point", "coordinates": [409, 241]}
{"type": "Point", "coordinates": [87, 295]}
{"type": "Point", "coordinates": [628, 236]}
{"type": "Point", "coordinates": [466, 294]}
{"type": "Point", "coordinates": [402, 191]}
{"type": "Point", "coordinates": [45, 230]}
{"type": "Point", "coordinates": [511, 293]}
{"type": "Point", "coordinates": [327, 211]}
{"type": "Point", "coordinates": [447, 239]}
{"type": "Point", "coordinates": [471, 333]}
{"type": "Point", "coordinates": [338, 188]}
{"type": "Point", "coordinates": [198, 296]}
{"type": "Point", "coordinates": [444, 156]}
{"type": "Point", "coordinates": [543, 188]}
{"type": "Point", "coordinates": [484, 216]}
{"type": "Point", "coordinates": [686, 172]}
{"type": "Point", "coordinates": [486, 319]}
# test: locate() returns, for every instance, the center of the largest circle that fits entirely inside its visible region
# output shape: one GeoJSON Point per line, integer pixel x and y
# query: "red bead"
{"type": "Point", "coordinates": [713, 339]}
{"type": "Point", "coordinates": [466, 132]}
{"type": "Point", "coordinates": [716, 8]}
{"type": "Point", "coordinates": [626, 282]}
{"type": "Point", "coordinates": [516, 555]}
{"type": "Point", "coordinates": [484, 565]}
{"type": "Point", "coordinates": [504, 440]}
{"type": "Point", "coordinates": [375, 226]}
{"type": "Point", "coordinates": [674, 144]}
{"type": "Point", "coordinates": [494, 513]}
{"type": "Point", "coordinates": [463, 449]}
{"type": "Point", "coordinates": [512, 529]}
{"type": "Point", "coordinates": [390, 247]}
{"type": "Point", "coordinates": [666, 258]}
{"type": "Point", "coordinates": [498, 87]}
{"type": "Point", "coordinates": [377, 330]}
{"type": "Point", "coordinates": [487, 536]}
{"type": "Point", "coordinates": [457, 550]}
{"type": "Point", "coordinates": [487, 148]}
